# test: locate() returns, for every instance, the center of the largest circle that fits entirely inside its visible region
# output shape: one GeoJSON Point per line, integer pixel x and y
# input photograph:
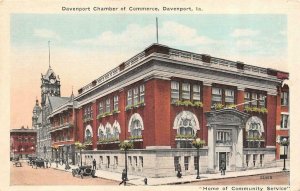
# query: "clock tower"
{"type": "Point", "coordinates": [50, 85]}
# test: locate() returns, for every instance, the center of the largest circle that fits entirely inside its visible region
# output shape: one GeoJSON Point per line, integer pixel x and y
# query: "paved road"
{"type": "Point", "coordinates": [281, 178]}
{"type": "Point", "coordinates": [26, 175]}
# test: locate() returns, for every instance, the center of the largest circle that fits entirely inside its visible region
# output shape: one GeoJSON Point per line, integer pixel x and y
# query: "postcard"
{"type": "Point", "coordinates": [149, 95]}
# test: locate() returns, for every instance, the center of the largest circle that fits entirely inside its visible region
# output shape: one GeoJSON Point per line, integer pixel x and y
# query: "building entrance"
{"type": "Point", "coordinates": [222, 158]}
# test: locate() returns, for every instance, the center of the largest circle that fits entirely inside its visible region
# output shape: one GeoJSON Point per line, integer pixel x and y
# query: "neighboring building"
{"type": "Point", "coordinates": [283, 129]}
{"type": "Point", "coordinates": [50, 99]}
{"type": "Point", "coordinates": [23, 142]}
{"type": "Point", "coordinates": [163, 98]}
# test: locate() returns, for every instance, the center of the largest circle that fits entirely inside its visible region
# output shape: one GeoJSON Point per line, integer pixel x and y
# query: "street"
{"type": "Point", "coordinates": [281, 178]}
{"type": "Point", "coordinates": [26, 175]}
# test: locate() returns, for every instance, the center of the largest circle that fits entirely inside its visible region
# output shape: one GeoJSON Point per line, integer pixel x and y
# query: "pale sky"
{"type": "Point", "coordinates": [83, 47]}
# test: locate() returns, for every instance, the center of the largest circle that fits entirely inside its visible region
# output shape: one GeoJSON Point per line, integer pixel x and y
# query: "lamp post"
{"type": "Point", "coordinates": [284, 143]}
{"type": "Point", "coordinates": [80, 147]}
{"type": "Point", "coordinates": [125, 145]}
{"type": "Point", "coordinates": [22, 149]}
{"type": "Point", "coordinates": [198, 143]}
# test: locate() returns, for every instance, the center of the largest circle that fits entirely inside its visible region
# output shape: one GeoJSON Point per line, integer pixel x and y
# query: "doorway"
{"type": "Point", "coordinates": [222, 158]}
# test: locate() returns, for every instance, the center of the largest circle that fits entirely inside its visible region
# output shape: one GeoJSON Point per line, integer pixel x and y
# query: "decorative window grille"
{"type": "Point", "coordinates": [176, 162]}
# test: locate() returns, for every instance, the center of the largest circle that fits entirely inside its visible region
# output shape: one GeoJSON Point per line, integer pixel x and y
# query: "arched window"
{"type": "Point", "coordinates": [101, 132]}
{"type": "Point", "coordinates": [108, 131]}
{"type": "Point", "coordinates": [116, 130]}
{"type": "Point", "coordinates": [186, 123]}
{"type": "Point", "coordinates": [255, 130]}
{"type": "Point", "coordinates": [136, 125]}
{"type": "Point", "coordinates": [88, 133]}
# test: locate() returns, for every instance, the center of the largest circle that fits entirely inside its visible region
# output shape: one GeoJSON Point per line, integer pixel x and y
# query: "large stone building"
{"type": "Point", "coordinates": [22, 142]}
{"type": "Point", "coordinates": [162, 99]}
{"type": "Point", "coordinates": [50, 99]}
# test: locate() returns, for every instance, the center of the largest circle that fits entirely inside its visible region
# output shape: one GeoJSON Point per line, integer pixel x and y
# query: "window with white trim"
{"type": "Point", "coordinates": [186, 91]}
{"type": "Point", "coordinates": [116, 103]}
{"type": "Point", "coordinates": [284, 98]}
{"type": "Point", "coordinates": [174, 91]}
{"type": "Point", "coordinates": [142, 93]}
{"type": "Point", "coordinates": [129, 97]}
{"type": "Point", "coordinates": [216, 96]}
{"type": "Point", "coordinates": [196, 92]}
{"type": "Point", "coordinates": [107, 104]}
{"type": "Point", "coordinates": [229, 97]}
{"type": "Point", "coordinates": [284, 121]}
{"type": "Point", "coordinates": [135, 96]}
{"type": "Point", "coordinates": [224, 136]}
{"type": "Point", "coordinates": [247, 99]}
{"type": "Point", "coordinates": [254, 97]}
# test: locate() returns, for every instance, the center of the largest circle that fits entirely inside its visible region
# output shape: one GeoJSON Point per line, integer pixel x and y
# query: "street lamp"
{"type": "Point", "coordinates": [125, 145]}
{"type": "Point", "coordinates": [198, 143]}
{"type": "Point", "coordinates": [80, 147]}
{"type": "Point", "coordinates": [284, 143]}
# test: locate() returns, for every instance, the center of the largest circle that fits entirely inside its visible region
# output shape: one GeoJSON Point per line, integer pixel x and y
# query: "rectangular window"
{"type": "Point", "coordinates": [100, 107]}
{"type": "Point", "coordinates": [108, 161]}
{"type": "Point", "coordinates": [101, 159]}
{"type": "Point", "coordinates": [176, 162]}
{"type": "Point", "coordinates": [186, 162]}
{"type": "Point", "coordinates": [254, 97]}
{"type": "Point", "coordinates": [284, 98]}
{"type": "Point", "coordinates": [107, 105]}
{"type": "Point", "coordinates": [135, 96]}
{"type": "Point", "coordinates": [247, 159]}
{"type": "Point", "coordinates": [116, 103]}
{"type": "Point", "coordinates": [196, 162]}
{"type": "Point", "coordinates": [216, 96]}
{"type": "Point", "coordinates": [129, 97]}
{"type": "Point", "coordinates": [224, 136]}
{"type": "Point", "coordinates": [196, 92]}
{"type": "Point", "coordinates": [262, 100]}
{"type": "Point", "coordinates": [186, 91]}
{"type": "Point", "coordinates": [135, 161]}
{"type": "Point", "coordinates": [116, 161]}
{"type": "Point", "coordinates": [174, 91]}
{"type": "Point", "coordinates": [130, 161]}
{"type": "Point", "coordinates": [141, 161]}
{"type": "Point", "coordinates": [254, 159]}
{"type": "Point", "coordinates": [261, 159]}
{"type": "Point", "coordinates": [284, 121]}
{"type": "Point", "coordinates": [229, 97]}
{"type": "Point", "coordinates": [142, 93]}
{"type": "Point", "coordinates": [247, 99]}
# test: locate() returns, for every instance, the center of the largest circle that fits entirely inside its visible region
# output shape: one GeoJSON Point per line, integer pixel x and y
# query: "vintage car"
{"type": "Point", "coordinates": [84, 171]}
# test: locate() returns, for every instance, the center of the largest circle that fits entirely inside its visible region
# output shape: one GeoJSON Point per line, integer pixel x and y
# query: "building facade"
{"type": "Point", "coordinates": [162, 99]}
{"type": "Point", "coordinates": [22, 142]}
{"type": "Point", "coordinates": [50, 99]}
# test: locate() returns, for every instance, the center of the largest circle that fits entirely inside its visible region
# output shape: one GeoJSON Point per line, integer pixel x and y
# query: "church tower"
{"type": "Point", "coordinates": [50, 85]}
{"type": "Point", "coordinates": [35, 113]}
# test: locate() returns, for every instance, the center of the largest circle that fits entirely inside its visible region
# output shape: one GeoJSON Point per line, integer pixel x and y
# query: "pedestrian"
{"type": "Point", "coordinates": [94, 164]}
{"type": "Point", "coordinates": [123, 178]}
{"type": "Point", "coordinates": [46, 163]}
{"type": "Point", "coordinates": [223, 167]}
{"type": "Point", "coordinates": [179, 174]}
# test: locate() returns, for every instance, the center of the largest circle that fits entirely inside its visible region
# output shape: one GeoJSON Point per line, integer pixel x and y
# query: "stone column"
{"type": "Point", "coordinates": [239, 150]}
{"type": "Point", "coordinates": [211, 149]}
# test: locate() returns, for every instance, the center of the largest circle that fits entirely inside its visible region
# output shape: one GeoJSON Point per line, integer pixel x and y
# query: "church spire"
{"type": "Point", "coordinates": [49, 53]}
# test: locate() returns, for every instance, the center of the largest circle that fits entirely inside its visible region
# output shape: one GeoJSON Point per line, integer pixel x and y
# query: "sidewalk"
{"type": "Point", "coordinates": [138, 180]}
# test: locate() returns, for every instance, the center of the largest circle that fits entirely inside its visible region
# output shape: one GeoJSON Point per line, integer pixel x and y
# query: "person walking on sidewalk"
{"type": "Point", "coordinates": [223, 167]}
{"type": "Point", "coordinates": [123, 178]}
{"type": "Point", "coordinates": [94, 164]}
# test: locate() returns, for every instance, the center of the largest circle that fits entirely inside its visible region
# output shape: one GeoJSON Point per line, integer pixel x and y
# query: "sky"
{"type": "Point", "coordinates": [84, 47]}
